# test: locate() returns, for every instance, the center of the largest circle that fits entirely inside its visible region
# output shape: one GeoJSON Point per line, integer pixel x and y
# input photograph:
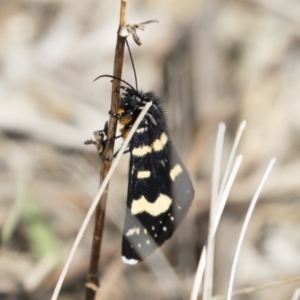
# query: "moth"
{"type": "Point", "coordinates": [160, 190]}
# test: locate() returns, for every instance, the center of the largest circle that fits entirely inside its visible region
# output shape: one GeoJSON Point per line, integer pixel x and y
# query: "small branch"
{"type": "Point", "coordinates": [92, 278]}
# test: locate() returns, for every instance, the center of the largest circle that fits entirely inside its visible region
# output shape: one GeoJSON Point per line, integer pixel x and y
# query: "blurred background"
{"type": "Point", "coordinates": [210, 61]}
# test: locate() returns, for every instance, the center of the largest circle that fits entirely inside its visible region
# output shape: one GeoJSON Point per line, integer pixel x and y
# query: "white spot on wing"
{"type": "Point", "coordinates": [141, 130]}
{"type": "Point", "coordinates": [159, 144]}
{"type": "Point", "coordinates": [162, 204]}
{"type": "Point", "coordinates": [143, 174]}
{"type": "Point", "coordinates": [132, 231]}
{"type": "Point", "coordinates": [162, 162]}
{"type": "Point", "coordinates": [175, 172]}
{"type": "Point", "coordinates": [165, 229]}
{"type": "Point", "coordinates": [129, 261]}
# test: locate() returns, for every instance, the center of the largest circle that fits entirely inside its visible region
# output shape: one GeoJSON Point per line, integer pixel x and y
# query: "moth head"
{"type": "Point", "coordinates": [130, 99]}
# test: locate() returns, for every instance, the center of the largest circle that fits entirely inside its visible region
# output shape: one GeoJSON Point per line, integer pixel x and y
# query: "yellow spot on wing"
{"type": "Point", "coordinates": [159, 144]}
{"type": "Point", "coordinates": [143, 174]}
{"type": "Point", "coordinates": [141, 151]}
{"type": "Point", "coordinates": [132, 231]}
{"type": "Point", "coordinates": [162, 204]}
{"type": "Point", "coordinates": [175, 172]}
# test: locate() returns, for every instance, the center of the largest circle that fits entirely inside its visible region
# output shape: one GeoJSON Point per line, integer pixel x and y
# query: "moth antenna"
{"type": "Point", "coordinates": [135, 77]}
{"type": "Point", "coordinates": [117, 78]}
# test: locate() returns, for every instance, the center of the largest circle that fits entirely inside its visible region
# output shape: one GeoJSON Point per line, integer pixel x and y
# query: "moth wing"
{"type": "Point", "coordinates": [159, 193]}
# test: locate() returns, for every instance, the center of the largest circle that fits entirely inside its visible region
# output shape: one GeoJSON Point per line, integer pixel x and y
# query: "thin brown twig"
{"type": "Point", "coordinates": [93, 282]}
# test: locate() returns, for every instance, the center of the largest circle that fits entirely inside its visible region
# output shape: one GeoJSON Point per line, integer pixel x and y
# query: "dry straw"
{"type": "Point", "coordinates": [218, 200]}
{"type": "Point", "coordinates": [96, 201]}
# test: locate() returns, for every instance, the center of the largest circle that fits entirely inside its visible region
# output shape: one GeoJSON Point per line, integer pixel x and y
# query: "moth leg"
{"type": "Point", "coordinates": [115, 115]}
{"type": "Point", "coordinates": [107, 158]}
{"type": "Point", "coordinates": [125, 152]}
{"type": "Point", "coordinates": [114, 156]}
{"type": "Point", "coordinates": [99, 142]}
{"type": "Point", "coordinates": [123, 117]}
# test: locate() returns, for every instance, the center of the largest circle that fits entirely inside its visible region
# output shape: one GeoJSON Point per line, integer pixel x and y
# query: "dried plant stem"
{"type": "Point", "coordinates": [92, 279]}
{"type": "Point", "coordinates": [232, 155]}
{"type": "Point", "coordinates": [218, 201]}
{"type": "Point", "coordinates": [296, 294]}
{"type": "Point", "coordinates": [208, 277]}
{"type": "Point", "coordinates": [251, 290]}
{"type": "Point", "coordinates": [199, 275]}
{"type": "Point", "coordinates": [96, 200]}
{"type": "Point", "coordinates": [245, 226]}
{"type": "Point", "coordinates": [224, 196]}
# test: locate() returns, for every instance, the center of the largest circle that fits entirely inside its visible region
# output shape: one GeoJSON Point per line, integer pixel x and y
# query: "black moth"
{"type": "Point", "coordinates": [160, 190]}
